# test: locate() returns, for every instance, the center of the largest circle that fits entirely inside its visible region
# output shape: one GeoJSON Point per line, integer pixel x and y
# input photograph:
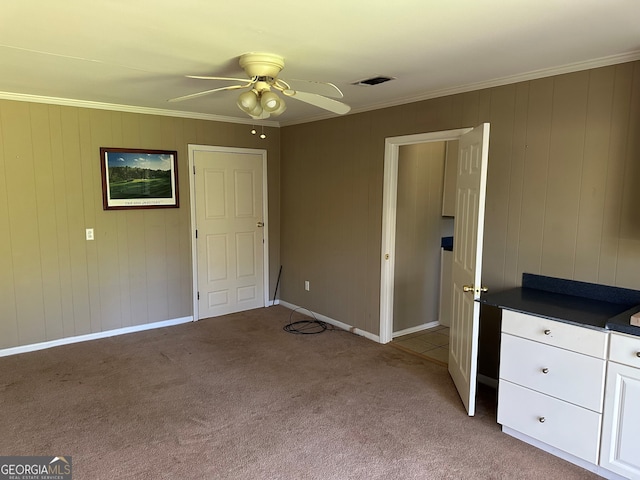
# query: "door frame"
{"type": "Point", "coordinates": [389, 205]}
{"type": "Point", "coordinates": [192, 148]}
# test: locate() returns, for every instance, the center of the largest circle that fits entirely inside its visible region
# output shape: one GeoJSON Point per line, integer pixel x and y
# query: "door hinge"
{"type": "Point", "coordinates": [194, 169]}
{"type": "Point", "coordinates": [196, 233]}
{"type": "Point", "coordinates": [198, 295]}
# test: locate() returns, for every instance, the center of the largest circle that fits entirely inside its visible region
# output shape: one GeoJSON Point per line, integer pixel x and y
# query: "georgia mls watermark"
{"type": "Point", "coordinates": [35, 468]}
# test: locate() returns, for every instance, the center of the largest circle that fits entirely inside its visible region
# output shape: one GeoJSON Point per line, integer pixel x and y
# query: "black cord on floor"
{"type": "Point", "coordinates": [305, 327]}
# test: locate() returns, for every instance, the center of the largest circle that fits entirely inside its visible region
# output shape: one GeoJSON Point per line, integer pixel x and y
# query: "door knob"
{"type": "Point", "coordinates": [260, 224]}
{"type": "Point", "coordinates": [471, 288]}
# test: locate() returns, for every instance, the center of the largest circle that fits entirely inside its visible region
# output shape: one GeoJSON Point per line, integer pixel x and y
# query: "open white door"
{"type": "Point", "coordinates": [467, 262]}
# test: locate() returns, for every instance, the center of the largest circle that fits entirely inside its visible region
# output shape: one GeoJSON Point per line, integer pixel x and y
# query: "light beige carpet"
{"type": "Point", "coordinates": [236, 397]}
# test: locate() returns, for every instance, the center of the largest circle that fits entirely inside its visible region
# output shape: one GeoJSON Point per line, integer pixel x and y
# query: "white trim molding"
{"type": "Point", "coordinates": [92, 336]}
{"type": "Point", "coordinates": [469, 87]}
{"type": "Point", "coordinates": [165, 112]}
{"type": "Point", "coordinates": [495, 82]}
{"type": "Point", "coordinates": [331, 321]}
{"type": "Point", "coordinates": [389, 204]}
{"type": "Point", "coordinates": [418, 328]}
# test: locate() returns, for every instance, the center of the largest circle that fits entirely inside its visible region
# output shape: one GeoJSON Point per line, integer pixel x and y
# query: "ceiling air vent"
{"type": "Point", "coordinates": [374, 80]}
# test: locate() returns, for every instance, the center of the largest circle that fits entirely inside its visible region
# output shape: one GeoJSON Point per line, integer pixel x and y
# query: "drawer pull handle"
{"type": "Point", "coordinates": [638, 354]}
{"type": "Point", "coordinates": [545, 370]}
{"type": "Point", "coordinates": [542, 419]}
{"type": "Point", "coordinates": [547, 332]}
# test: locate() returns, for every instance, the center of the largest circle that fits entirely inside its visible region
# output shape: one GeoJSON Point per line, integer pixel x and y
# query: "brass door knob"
{"type": "Point", "coordinates": [471, 288]}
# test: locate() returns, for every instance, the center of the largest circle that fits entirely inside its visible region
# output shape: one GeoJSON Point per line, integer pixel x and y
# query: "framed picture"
{"type": "Point", "coordinates": [136, 178]}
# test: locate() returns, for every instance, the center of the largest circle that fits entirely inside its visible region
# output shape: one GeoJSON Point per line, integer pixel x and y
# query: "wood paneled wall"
{"type": "Point", "coordinates": [54, 283]}
{"type": "Point", "coordinates": [563, 180]}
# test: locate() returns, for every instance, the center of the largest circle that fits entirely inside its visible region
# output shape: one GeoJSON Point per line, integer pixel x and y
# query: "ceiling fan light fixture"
{"type": "Point", "coordinates": [259, 102]}
{"type": "Point", "coordinates": [270, 101]}
{"type": "Point", "coordinates": [248, 101]}
{"type": "Point", "coordinates": [257, 111]}
{"type": "Point", "coordinates": [281, 108]}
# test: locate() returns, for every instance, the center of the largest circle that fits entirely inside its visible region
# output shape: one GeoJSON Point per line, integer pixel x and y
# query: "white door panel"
{"type": "Point", "coordinates": [467, 262]}
{"type": "Point", "coordinates": [216, 257]}
{"type": "Point", "coordinates": [229, 217]}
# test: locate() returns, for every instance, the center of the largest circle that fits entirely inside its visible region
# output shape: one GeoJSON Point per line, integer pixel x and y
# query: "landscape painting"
{"type": "Point", "coordinates": [136, 178]}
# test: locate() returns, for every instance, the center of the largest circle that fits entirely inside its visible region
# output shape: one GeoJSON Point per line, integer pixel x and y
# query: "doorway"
{"type": "Point", "coordinates": [389, 218]}
{"type": "Point", "coordinates": [420, 317]}
{"type": "Point", "coordinates": [471, 178]}
{"type": "Point", "coordinates": [229, 229]}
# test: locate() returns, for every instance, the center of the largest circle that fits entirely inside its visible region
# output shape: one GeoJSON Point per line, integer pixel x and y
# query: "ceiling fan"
{"type": "Point", "coordinates": [260, 101]}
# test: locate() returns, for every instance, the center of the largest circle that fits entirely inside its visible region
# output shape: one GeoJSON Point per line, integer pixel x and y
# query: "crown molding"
{"type": "Point", "coordinates": [523, 77]}
{"type": "Point", "coordinates": [71, 102]}
{"type": "Point", "coordinates": [498, 82]}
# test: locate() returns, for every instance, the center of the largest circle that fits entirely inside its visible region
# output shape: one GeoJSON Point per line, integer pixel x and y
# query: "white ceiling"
{"type": "Point", "coordinates": [136, 52]}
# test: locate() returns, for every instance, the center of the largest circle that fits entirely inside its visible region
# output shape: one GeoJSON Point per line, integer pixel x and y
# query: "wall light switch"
{"type": "Point", "coordinates": [89, 233]}
{"type": "Point", "coordinates": [306, 285]}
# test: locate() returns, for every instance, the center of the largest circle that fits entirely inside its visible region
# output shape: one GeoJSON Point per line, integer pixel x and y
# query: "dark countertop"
{"type": "Point", "coordinates": [584, 304]}
{"type": "Point", "coordinates": [620, 323]}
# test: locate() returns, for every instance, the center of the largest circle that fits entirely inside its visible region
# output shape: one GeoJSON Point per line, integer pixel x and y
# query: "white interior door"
{"type": "Point", "coordinates": [467, 262]}
{"type": "Point", "coordinates": [230, 224]}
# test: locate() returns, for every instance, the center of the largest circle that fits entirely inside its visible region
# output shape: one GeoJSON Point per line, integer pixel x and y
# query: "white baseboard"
{"type": "Point", "coordinates": [491, 382]}
{"type": "Point", "coordinates": [92, 336]}
{"type": "Point", "coordinates": [333, 322]}
{"type": "Point", "coordinates": [419, 328]}
{"type": "Point", "coordinates": [562, 454]}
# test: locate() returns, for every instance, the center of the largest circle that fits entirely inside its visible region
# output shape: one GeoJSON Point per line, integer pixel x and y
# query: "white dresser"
{"type": "Point", "coordinates": [552, 377]}
{"type": "Point", "coordinates": [621, 422]}
{"type": "Point", "coordinates": [572, 391]}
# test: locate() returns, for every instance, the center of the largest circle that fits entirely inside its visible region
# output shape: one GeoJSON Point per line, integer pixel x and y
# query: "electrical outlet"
{"type": "Point", "coordinates": [89, 233]}
{"type": "Point", "coordinates": [306, 285]}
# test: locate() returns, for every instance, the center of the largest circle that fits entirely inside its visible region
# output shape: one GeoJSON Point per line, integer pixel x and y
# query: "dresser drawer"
{"type": "Point", "coordinates": [552, 332]}
{"type": "Point", "coordinates": [563, 374]}
{"type": "Point", "coordinates": [625, 349]}
{"type": "Point", "coordinates": [568, 427]}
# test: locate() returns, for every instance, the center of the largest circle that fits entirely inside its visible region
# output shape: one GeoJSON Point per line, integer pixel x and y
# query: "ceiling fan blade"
{"type": "Point", "coordinates": [230, 79]}
{"type": "Point", "coordinates": [320, 101]}
{"type": "Point", "coordinates": [326, 89]}
{"type": "Point", "coordinates": [206, 92]}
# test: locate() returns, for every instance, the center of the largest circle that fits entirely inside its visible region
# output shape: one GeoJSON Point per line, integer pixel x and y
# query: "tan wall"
{"type": "Point", "coordinates": [561, 198]}
{"type": "Point", "coordinates": [419, 228]}
{"type": "Point", "coordinates": [54, 283]}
